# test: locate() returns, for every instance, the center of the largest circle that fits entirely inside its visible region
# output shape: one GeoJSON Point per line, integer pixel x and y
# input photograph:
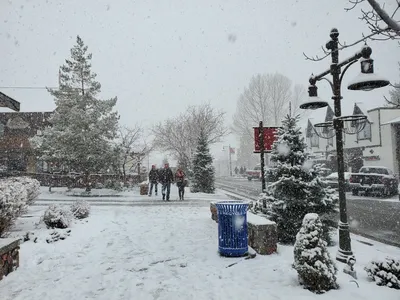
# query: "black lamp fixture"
{"type": "Point", "coordinates": [367, 80]}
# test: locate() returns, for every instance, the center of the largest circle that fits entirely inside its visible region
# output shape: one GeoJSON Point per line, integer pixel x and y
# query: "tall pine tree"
{"type": "Point", "coordinates": [300, 188]}
{"type": "Point", "coordinates": [203, 170]}
{"type": "Point", "coordinates": [83, 126]}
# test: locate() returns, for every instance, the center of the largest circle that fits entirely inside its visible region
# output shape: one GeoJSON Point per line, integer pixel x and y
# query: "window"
{"type": "Point", "coordinates": [314, 140]}
{"type": "Point", "coordinates": [365, 134]}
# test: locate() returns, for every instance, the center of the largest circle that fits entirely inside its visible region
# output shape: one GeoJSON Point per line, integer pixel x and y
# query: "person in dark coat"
{"type": "Point", "coordinates": [166, 178]}
{"type": "Point", "coordinates": [153, 179]}
{"type": "Point", "coordinates": [180, 182]}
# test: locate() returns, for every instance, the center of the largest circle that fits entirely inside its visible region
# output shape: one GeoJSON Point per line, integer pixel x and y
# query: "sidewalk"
{"type": "Point", "coordinates": [164, 252]}
{"type": "Point", "coordinates": [107, 197]}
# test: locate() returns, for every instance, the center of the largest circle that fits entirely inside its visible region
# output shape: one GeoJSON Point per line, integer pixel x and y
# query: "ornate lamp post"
{"type": "Point", "coordinates": [365, 81]}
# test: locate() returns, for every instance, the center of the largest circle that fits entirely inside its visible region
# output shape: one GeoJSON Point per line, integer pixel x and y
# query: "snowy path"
{"type": "Point", "coordinates": [163, 252]}
{"type": "Point", "coordinates": [128, 198]}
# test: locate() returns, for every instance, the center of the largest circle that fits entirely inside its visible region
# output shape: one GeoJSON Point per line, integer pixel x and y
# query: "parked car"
{"type": "Point", "coordinates": [332, 180]}
{"type": "Point", "coordinates": [379, 180]}
{"type": "Point", "coordinates": [253, 174]}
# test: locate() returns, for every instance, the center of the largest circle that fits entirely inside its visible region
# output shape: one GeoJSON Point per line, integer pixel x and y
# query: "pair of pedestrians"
{"type": "Point", "coordinates": [166, 178]}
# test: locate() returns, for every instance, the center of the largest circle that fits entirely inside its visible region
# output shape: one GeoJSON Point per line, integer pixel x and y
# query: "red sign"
{"type": "Point", "coordinates": [269, 138]}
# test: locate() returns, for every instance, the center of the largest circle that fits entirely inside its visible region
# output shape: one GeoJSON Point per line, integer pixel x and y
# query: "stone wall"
{"type": "Point", "coordinates": [9, 256]}
{"type": "Point", "coordinates": [262, 234]}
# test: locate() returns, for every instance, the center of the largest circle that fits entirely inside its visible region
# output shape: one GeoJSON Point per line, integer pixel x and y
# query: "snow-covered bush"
{"type": "Point", "coordinates": [80, 209]}
{"type": "Point", "coordinates": [385, 273]}
{"type": "Point", "coordinates": [32, 187]}
{"type": "Point", "coordinates": [315, 268]}
{"type": "Point", "coordinates": [15, 195]}
{"type": "Point", "coordinates": [57, 217]}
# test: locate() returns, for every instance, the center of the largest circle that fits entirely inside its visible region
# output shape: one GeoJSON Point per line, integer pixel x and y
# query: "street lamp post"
{"type": "Point", "coordinates": [366, 81]}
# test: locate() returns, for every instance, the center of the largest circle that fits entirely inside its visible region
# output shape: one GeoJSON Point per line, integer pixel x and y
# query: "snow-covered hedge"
{"type": "Point", "coordinates": [80, 209]}
{"type": "Point", "coordinates": [16, 194]}
{"type": "Point", "coordinates": [315, 268]}
{"type": "Point", "coordinates": [57, 217]}
{"type": "Point", "coordinates": [385, 273]}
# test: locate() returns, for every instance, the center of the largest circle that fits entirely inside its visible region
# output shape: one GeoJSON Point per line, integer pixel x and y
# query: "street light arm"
{"type": "Point", "coordinates": [349, 60]}
{"type": "Point", "coordinates": [344, 71]}
{"type": "Point", "coordinates": [330, 82]}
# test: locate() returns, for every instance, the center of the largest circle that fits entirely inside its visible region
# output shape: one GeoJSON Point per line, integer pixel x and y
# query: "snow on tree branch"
{"type": "Point", "coordinates": [379, 20]}
{"type": "Point", "coordinates": [382, 25]}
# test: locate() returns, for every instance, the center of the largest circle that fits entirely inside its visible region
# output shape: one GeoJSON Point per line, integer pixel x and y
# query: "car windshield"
{"type": "Point", "coordinates": [382, 171]}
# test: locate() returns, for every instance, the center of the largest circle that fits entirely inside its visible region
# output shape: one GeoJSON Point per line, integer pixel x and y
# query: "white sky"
{"type": "Point", "coordinates": [160, 56]}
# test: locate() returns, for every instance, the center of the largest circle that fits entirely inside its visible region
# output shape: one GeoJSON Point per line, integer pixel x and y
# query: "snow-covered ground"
{"type": "Point", "coordinates": [163, 252]}
{"type": "Point", "coordinates": [130, 197]}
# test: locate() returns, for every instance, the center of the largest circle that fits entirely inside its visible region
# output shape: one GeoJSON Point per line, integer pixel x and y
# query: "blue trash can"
{"type": "Point", "coordinates": [232, 228]}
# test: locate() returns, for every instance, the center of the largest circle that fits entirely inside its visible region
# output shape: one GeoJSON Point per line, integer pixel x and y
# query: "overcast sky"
{"type": "Point", "coordinates": [160, 56]}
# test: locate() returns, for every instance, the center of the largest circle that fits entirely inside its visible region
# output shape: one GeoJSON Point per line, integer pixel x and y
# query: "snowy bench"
{"type": "Point", "coordinates": [262, 233]}
{"type": "Point", "coordinates": [9, 256]}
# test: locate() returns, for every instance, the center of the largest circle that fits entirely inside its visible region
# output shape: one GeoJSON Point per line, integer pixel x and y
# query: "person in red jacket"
{"type": "Point", "coordinates": [180, 182]}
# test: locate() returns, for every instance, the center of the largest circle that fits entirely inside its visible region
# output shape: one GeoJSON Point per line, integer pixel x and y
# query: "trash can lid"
{"type": "Point", "coordinates": [232, 202]}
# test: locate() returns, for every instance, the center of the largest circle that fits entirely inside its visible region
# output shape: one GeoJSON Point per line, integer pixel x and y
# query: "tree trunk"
{"type": "Point", "coordinates": [87, 181]}
{"type": "Point", "coordinates": [123, 174]}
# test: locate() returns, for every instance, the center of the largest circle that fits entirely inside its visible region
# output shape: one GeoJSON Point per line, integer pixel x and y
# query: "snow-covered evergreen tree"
{"type": "Point", "coordinates": [385, 272]}
{"type": "Point", "coordinates": [314, 266]}
{"type": "Point", "coordinates": [83, 126]}
{"type": "Point", "coordinates": [300, 189]}
{"type": "Point", "coordinates": [203, 170]}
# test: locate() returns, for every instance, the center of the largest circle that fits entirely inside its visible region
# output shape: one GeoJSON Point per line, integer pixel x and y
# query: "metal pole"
{"type": "Point", "coordinates": [230, 161]}
{"type": "Point", "coordinates": [344, 252]}
{"type": "Point", "coordinates": [261, 141]}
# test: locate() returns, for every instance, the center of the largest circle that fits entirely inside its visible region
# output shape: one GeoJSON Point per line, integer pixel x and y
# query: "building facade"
{"type": "Point", "coordinates": [16, 128]}
{"type": "Point", "coordinates": [377, 144]}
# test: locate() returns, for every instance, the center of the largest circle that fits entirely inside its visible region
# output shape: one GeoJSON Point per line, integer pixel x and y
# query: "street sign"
{"type": "Point", "coordinates": [269, 138]}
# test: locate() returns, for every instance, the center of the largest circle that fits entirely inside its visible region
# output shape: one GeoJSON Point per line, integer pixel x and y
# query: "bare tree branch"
{"type": "Point", "coordinates": [267, 98]}
{"type": "Point", "coordinates": [344, 45]}
{"type": "Point", "coordinates": [131, 147]}
{"type": "Point", "coordinates": [382, 26]}
{"type": "Point", "coordinates": [178, 136]}
{"type": "Point", "coordinates": [384, 16]}
{"type": "Point", "coordinates": [377, 16]}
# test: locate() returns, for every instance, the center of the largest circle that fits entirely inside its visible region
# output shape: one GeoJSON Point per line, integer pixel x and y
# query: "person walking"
{"type": "Point", "coordinates": [153, 179]}
{"type": "Point", "coordinates": [166, 178]}
{"type": "Point", "coordinates": [180, 182]}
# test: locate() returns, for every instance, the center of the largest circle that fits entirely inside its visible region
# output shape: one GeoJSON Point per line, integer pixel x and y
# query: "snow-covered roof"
{"type": "Point", "coordinates": [394, 121]}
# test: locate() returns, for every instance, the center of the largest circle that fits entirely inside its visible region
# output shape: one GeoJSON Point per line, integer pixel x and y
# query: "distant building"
{"type": "Point", "coordinates": [378, 144]}
{"type": "Point", "coordinates": [16, 128]}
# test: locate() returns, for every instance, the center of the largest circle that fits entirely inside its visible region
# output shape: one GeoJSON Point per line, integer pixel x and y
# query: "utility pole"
{"type": "Point", "coordinates": [230, 161]}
